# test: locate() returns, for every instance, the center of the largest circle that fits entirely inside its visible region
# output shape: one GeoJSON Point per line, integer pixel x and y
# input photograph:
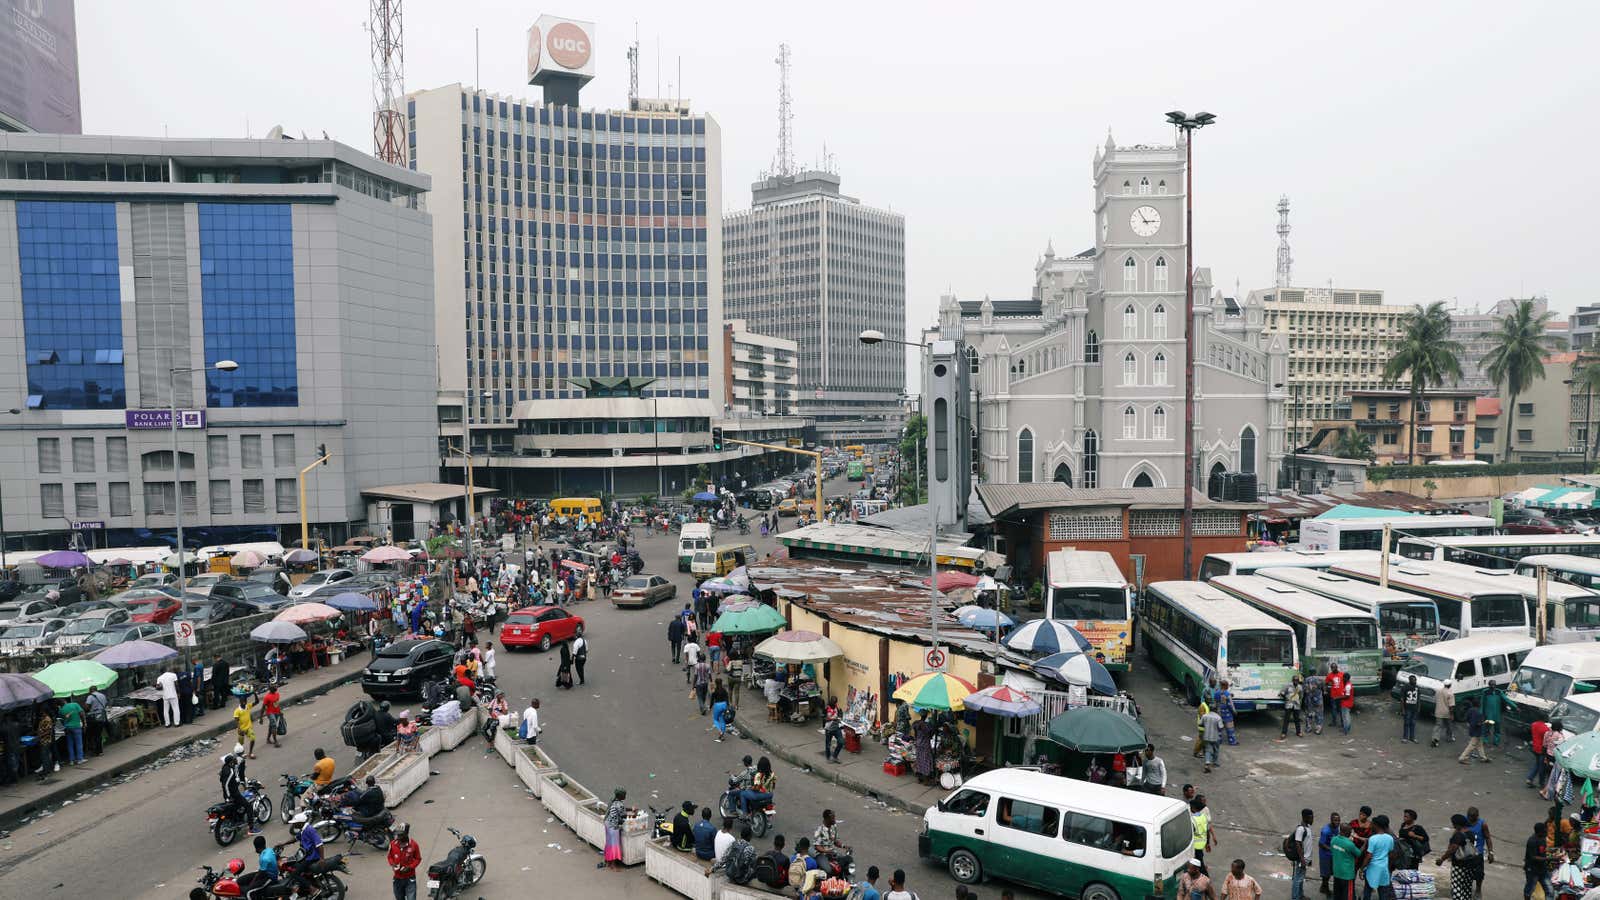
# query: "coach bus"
{"type": "Point", "coordinates": [1498, 551]}
{"type": "Point", "coordinates": [1088, 592]}
{"type": "Point", "coordinates": [1251, 563]}
{"type": "Point", "coordinates": [1466, 606]}
{"type": "Point", "coordinates": [1197, 633]}
{"type": "Point", "coordinates": [1583, 571]}
{"type": "Point", "coordinates": [1405, 621]}
{"type": "Point", "coordinates": [1367, 533]}
{"type": "Point", "coordinates": [1326, 631]}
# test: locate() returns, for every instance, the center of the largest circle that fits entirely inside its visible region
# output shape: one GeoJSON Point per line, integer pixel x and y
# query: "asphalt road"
{"type": "Point", "coordinates": [634, 725]}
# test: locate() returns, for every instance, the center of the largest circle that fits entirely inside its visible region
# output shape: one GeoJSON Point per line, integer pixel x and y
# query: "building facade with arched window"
{"type": "Point", "coordinates": [1102, 333]}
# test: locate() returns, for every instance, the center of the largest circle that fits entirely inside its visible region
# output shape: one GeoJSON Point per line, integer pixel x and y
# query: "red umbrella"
{"type": "Point", "coordinates": [950, 580]}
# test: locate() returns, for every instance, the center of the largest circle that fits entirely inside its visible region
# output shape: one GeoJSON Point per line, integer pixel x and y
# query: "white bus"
{"type": "Point", "coordinates": [1251, 563]}
{"type": "Point", "coordinates": [1197, 633]}
{"type": "Point", "coordinates": [1405, 621]}
{"type": "Point", "coordinates": [1572, 613]}
{"type": "Point", "coordinates": [1498, 551]}
{"type": "Point", "coordinates": [1326, 630]}
{"type": "Point", "coordinates": [1087, 591]}
{"type": "Point", "coordinates": [1466, 606]}
{"type": "Point", "coordinates": [1583, 571]}
{"type": "Point", "coordinates": [1367, 533]}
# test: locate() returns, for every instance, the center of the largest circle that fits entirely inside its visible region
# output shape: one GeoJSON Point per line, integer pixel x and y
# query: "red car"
{"type": "Point", "coordinates": [155, 610]}
{"type": "Point", "coordinates": [539, 626]}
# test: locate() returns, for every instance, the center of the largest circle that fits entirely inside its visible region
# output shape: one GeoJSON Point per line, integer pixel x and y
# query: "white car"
{"type": "Point", "coordinates": [202, 584]}
{"type": "Point", "coordinates": [24, 637]}
{"type": "Point", "coordinates": [154, 579]}
{"type": "Point", "coordinates": [318, 579]}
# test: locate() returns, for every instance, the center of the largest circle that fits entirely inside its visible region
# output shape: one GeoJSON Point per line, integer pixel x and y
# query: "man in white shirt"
{"type": "Point", "coordinates": [487, 659]}
{"type": "Point", "coordinates": [168, 681]}
{"type": "Point", "coordinates": [691, 655]}
{"type": "Point", "coordinates": [530, 722]}
{"type": "Point", "coordinates": [724, 838]}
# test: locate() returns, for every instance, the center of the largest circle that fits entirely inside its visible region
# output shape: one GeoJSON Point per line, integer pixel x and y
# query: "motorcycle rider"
{"type": "Point", "coordinates": [232, 778]}
{"type": "Point", "coordinates": [762, 783]}
{"type": "Point", "coordinates": [367, 806]}
{"type": "Point", "coordinates": [321, 771]}
{"type": "Point", "coordinates": [404, 857]}
{"type": "Point", "coordinates": [826, 841]}
{"type": "Point", "coordinates": [383, 724]}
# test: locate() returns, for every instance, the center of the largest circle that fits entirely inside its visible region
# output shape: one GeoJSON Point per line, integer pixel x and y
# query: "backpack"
{"type": "Point", "coordinates": [1291, 849]}
{"type": "Point", "coordinates": [741, 864]}
{"type": "Point", "coordinates": [769, 873]}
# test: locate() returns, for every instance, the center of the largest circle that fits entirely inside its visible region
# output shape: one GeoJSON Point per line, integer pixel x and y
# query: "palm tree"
{"type": "Point", "coordinates": [1517, 358]}
{"type": "Point", "coordinates": [1587, 379]}
{"type": "Point", "coordinates": [1425, 356]}
{"type": "Point", "coordinates": [1352, 445]}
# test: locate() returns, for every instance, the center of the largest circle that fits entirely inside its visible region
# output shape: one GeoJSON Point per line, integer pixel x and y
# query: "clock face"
{"type": "Point", "coordinates": [1145, 221]}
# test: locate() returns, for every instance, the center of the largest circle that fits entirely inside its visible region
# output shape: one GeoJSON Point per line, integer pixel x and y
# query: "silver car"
{"type": "Point", "coordinates": [80, 630]}
{"type": "Point", "coordinates": [319, 579]}
{"type": "Point", "coordinates": [26, 609]}
{"type": "Point", "coordinates": [25, 637]}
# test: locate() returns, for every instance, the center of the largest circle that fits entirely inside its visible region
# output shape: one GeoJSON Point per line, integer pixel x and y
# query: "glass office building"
{"type": "Point", "coordinates": [130, 267]}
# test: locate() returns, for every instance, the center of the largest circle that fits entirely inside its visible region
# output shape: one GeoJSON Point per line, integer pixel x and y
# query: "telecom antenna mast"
{"type": "Point", "coordinates": [784, 164]}
{"type": "Point", "coordinates": [1285, 261]}
{"type": "Point", "coordinates": [388, 81]}
{"type": "Point", "coordinates": [633, 72]}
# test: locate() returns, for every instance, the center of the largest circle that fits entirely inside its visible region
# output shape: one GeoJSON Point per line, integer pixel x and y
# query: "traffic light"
{"type": "Point", "coordinates": [716, 439]}
{"type": "Point", "coordinates": [322, 453]}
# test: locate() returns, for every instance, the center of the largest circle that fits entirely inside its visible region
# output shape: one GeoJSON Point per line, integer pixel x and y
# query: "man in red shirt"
{"type": "Point", "coordinates": [272, 711]}
{"type": "Point", "coordinates": [404, 857]}
{"type": "Point", "coordinates": [1536, 774]}
{"type": "Point", "coordinates": [1342, 694]}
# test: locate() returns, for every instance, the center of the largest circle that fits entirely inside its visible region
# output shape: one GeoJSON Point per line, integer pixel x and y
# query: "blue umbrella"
{"type": "Point", "coordinates": [1077, 668]}
{"type": "Point", "coordinates": [132, 654]}
{"type": "Point", "coordinates": [353, 602]}
{"type": "Point", "coordinates": [706, 497]}
{"type": "Point", "coordinates": [18, 690]}
{"type": "Point", "coordinates": [1042, 637]}
{"type": "Point", "coordinates": [985, 619]}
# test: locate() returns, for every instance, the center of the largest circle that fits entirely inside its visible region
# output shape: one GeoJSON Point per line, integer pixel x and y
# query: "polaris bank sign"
{"type": "Point", "coordinates": [161, 419]}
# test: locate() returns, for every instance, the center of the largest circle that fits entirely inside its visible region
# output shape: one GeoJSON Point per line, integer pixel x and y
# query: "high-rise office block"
{"type": "Point", "coordinates": [810, 265]}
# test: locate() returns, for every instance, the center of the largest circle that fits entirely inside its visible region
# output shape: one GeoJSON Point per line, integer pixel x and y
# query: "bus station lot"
{"type": "Point", "coordinates": [1258, 791]}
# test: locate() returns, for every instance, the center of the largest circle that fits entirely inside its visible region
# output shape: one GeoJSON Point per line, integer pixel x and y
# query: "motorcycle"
{"type": "Point", "coordinates": [757, 819]}
{"type": "Point", "coordinates": [744, 526]}
{"type": "Point", "coordinates": [325, 885]}
{"type": "Point", "coordinates": [462, 867]}
{"type": "Point", "coordinates": [334, 822]}
{"type": "Point", "coordinates": [224, 820]}
{"type": "Point", "coordinates": [299, 792]}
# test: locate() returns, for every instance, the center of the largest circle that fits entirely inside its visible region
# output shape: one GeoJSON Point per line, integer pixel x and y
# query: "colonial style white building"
{"type": "Point", "coordinates": [1083, 383]}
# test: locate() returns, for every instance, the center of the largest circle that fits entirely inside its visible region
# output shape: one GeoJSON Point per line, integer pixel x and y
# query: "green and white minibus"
{"type": "Point", "coordinates": [1326, 630]}
{"type": "Point", "coordinates": [1197, 633]}
{"type": "Point", "coordinates": [1060, 835]}
{"type": "Point", "coordinates": [1466, 607]}
{"type": "Point", "coordinates": [1583, 571]}
{"type": "Point", "coordinates": [1250, 563]}
{"type": "Point", "coordinates": [1405, 621]}
{"type": "Point", "coordinates": [1572, 613]}
{"type": "Point", "coordinates": [1087, 591]}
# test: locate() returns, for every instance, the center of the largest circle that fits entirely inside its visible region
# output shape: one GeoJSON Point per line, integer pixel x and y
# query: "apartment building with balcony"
{"type": "Point", "coordinates": [762, 375]}
{"type": "Point", "coordinates": [1446, 425]}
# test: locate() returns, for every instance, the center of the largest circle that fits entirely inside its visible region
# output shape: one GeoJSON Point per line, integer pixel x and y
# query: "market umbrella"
{"type": "Point", "coordinates": [172, 561]}
{"type": "Point", "coordinates": [1004, 701]}
{"type": "Point", "coordinates": [935, 690]}
{"type": "Point", "coordinates": [352, 602]}
{"type": "Point", "coordinates": [248, 559]}
{"type": "Point", "coordinates": [64, 559]}
{"type": "Point", "coordinates": [119, 561]}
{"type": "Point", "coordinates": [1096, 729]}
{"type": "Point", "coordinates": [705, 497]}
{"type": "Point", "coordinates": [1078, 668]}
{"type": "Point", "coordinates": [735, 600]}
{"type": "Point", "coordinates": [721, 586]}
{"type": "Point", "coordinates": [306, 612]}
{"type": "Point", "coordinates": [385, 554]}
{"type": "Point", "coordinates": [966, 610]}
{"type": "Point", "coordinates": [1042, 637]}
{"type": "Point", "coordinates": [18, 690]}
{"type": "Point", "coordinates": [132, 654]}
{"type": "Point", "coordinates": [799, 647]}
{"type": "Point", "coordinates": [951, 580]}
{"type": "Point", "coordinates": [985, 619]}
{"type": "Point", "coordinates": [276, 632]}
{"type": "Point", "coordinates": [756, 620]}
{"type": "Point", "coordinates": [298, 555]}
{"type": "Point", "coordinates": [1580, 754]}
{"type": "Point", "coordinates": [75, 676]}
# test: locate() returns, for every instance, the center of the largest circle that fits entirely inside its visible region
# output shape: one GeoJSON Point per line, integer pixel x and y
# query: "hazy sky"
{"type": "Point", "coordinates": [1431, 150]}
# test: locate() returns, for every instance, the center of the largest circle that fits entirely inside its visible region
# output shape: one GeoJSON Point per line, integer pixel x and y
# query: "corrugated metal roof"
{"type": "Point", "coordinates": [911, 518]}
{"type": "Point", "coordinates": [1000, 499]}
{"type": "Point", "coordinates": [867, 540]}
{"type": "Point", "coordinates": [1290, 505]}
{"type": "Point", "coordinates": [886, 599]}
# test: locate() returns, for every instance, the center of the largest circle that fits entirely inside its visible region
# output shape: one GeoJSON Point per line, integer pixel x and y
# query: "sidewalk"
{"type": "Point", "coordinates": [19, 800]}
{"type": "Point", "coordinates": [801, 745]}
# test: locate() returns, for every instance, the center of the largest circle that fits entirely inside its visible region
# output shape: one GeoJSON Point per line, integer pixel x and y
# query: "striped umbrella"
{"type": "Point", "coordinates": [1074, 667]}
{"type": "Point", "coordinates": [1004, 701]}
{"type": "Point", "coordinates": [936, 690]}
{"type": "Point", "coordinates": [1042, 637]}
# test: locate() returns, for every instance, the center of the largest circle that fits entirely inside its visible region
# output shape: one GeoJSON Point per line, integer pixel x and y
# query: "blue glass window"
{"type": "Point", "coordinates": [247, 280]}
{"type": "Point", "coordinates": [71, 304]}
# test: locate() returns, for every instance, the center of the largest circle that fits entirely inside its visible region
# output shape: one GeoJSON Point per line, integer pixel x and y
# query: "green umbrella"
{"type": "Point", "coordinates": [76, 676]}
{"type": "Point", "coordinates": [1096, 729]}
{"type": "Point", "coordinates": [755, 620]}
{"type": "Point", "coordinates": [1580, 755]}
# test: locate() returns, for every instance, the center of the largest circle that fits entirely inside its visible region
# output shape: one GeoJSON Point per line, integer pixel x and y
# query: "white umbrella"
{"type": "Point", "coordinates": [276, 632]}
{"type": "Point", "coordinates": [385, 554]}
{"type": "Point", "coordinates": [799, 647]}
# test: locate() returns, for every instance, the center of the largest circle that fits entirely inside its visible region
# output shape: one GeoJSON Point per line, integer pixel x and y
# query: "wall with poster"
{"type": "Point", "coordinates": [39, 67]}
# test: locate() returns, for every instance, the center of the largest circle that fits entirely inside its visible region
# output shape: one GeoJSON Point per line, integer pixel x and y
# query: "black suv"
{"type": "Point", "coordinates": [253, 595]}
{"type": "Point", "coordinates": [402, 668]}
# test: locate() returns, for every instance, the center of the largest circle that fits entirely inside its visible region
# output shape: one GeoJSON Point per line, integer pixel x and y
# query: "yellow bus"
{"type": "Point", "coordinates": [1088, 592]}
{"type": "Point", "coordinates": [856, 449]}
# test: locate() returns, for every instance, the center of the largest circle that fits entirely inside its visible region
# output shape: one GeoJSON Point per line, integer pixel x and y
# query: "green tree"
{"type": "Point", "coordinates": [911, 450]}
{"type": "Point", "coordinates": [1429, 485]}
{"type": "Point", "coordinates": [1587, 380]}
{"type": "Point", "coordinates": [1517, 358]}
{"type": "Point", "coordinates": [1353, 445]}
{"type": "Point", "coordinates": [1425, 357]}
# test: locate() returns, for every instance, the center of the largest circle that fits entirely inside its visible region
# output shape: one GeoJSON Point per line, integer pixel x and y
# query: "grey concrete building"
{"type": "Point", "coordinates": [306, 262]}
{"type": "Point", "coordinates": [1584, 328]}
{"type": "Point", "coordinates": [1083, 382]}
{"type": "Point", "coordinates": [1476, 330]}
{"type": "Point", "coordinates": [762, 378]}
{"type": "Point", "coordinates": [808, 264]}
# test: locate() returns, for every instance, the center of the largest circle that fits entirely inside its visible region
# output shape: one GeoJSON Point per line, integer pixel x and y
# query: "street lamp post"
{"type": "Point", "coordinates": [472, 558]}
{"type": "Point", "coordinates": [873, 336]}
{"type": "Point", "coordinates": [1188, 125]}
{"type": "Point", "coordinates": [10, 412]}
{"type": "Point", "coordinates": [226, 365]}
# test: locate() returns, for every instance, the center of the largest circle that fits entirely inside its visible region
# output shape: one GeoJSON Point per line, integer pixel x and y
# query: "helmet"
{"type": "Point", "coordinates": [468, 841]}
{"type": "Point", "coordinates": [235, 865]}
{"type": "Point", "coordinates": [238, 749]}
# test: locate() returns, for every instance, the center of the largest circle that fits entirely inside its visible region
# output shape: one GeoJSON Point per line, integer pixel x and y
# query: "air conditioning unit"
{"type": "Point", "coordinates": [616, 451]}
{"type": "Point", "coordinates": [546, 452]}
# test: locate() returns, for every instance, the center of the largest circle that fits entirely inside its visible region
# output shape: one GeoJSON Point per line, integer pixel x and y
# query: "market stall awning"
{"type": "Point", "coordinates": [1563, 498]}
